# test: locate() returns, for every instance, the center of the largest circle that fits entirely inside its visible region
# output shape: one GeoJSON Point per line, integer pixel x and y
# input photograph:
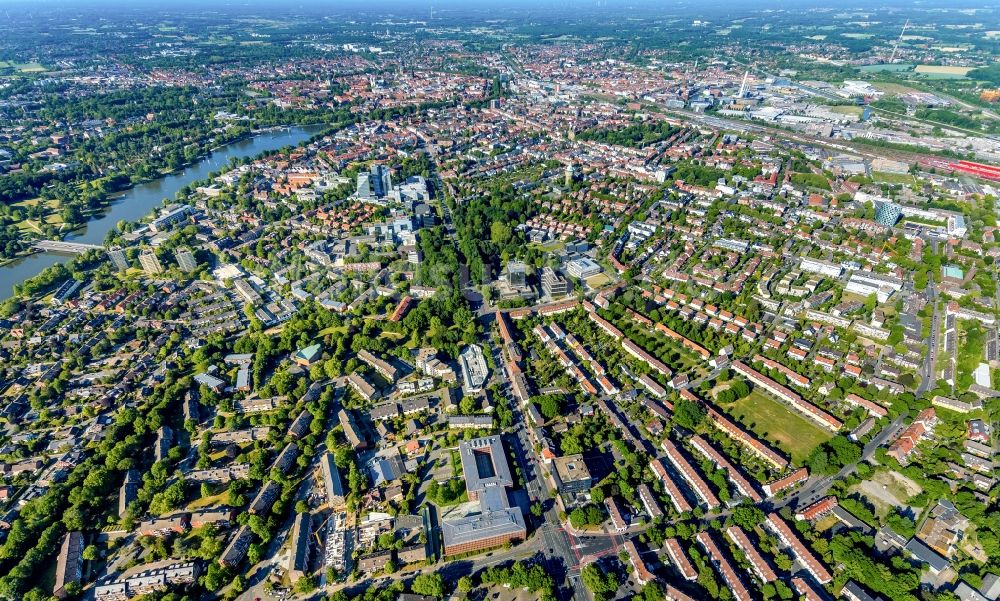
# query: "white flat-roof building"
{"type": "Point", "coordinates": [474, 370]}
{"type": "Point", "coordinates": [582, 267]}
{"type": "Point", "coordinates": [821, 267]}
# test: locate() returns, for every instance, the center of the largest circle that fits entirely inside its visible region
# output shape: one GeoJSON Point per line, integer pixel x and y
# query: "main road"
{"type": "Point", "coordinates": [929, 367]}
{"type": "Point", "coordinates": [817, 488]}
{"type": "Point", "coordinates": [557, 543]}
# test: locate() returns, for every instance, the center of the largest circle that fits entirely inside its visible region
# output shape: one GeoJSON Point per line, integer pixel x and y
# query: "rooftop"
{"type": "Point", "coordinates": [484, 464]}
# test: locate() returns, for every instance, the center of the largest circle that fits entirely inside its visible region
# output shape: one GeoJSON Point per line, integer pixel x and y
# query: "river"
{"type": "Point", "coordinates": [139, 201]}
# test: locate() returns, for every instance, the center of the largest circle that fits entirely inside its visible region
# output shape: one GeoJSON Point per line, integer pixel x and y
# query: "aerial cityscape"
{"type": "Point", "coordinates": [565, 300]}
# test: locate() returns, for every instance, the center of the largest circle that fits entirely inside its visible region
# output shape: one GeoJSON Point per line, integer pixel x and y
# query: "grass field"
{"type": "Point", "coordinates": [596, 281]}
{"type": "Point", "coordinates": [47, 579]}
{"type": "Point", "coordinates": [892, 178]}
{"type": "Point", "coordinates": [553, 246]}
{"type": "Point", "coordinates": [971, 345]}
{"type": "Point", "coordinates": [210, 501]}
{"type": "Point", "coordinates": [846, 110]}
{"type": "Point", "coordinates": [333, 330]}
{"type": "Point", "coordinates": [52, 217]}
{"type": "Point", "coordinates": [893, 89]}
{"type": "Point", "coordinates": [940, 76]}
{"type": "Point", "coordinates": [773, 421]}
{"type": "Point", "coordinates": [23, 67]}
{"type": "Point", "coordinates": [825, 523]}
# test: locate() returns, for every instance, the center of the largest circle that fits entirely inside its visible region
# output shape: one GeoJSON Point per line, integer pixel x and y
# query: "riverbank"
{"type": "Point", "coordinates": [136, 202]}
{"type": "Point", "coordinates": [105, 202]}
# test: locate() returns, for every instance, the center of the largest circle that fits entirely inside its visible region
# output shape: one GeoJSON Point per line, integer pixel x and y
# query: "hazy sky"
{"type": "Point", "coordinates": [478, 5]}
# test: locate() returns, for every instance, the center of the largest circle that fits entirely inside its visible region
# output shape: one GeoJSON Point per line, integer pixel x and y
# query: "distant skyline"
{"type": "Point", "coordinates": [479, 6]}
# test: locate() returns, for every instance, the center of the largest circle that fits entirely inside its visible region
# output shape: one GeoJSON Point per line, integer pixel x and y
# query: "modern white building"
{"type": "Point", "coordinates": [169, 217]}
{"type": "Point", "coordinates": [821, 267]}
{"type": "Point", "coordinates": [474, 370]}
{"type": "Point", "coordinates": [866, 284]}
{"type": "Point", "coordinates": [582, 267]}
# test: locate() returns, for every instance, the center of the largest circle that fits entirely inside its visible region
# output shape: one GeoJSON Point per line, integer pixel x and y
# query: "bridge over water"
{"type": "Point", "coordinates": [60, 246]}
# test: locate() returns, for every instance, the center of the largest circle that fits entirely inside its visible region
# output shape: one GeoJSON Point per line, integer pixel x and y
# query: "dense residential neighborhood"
{"type": "Point", "coordinates": [457, 306]}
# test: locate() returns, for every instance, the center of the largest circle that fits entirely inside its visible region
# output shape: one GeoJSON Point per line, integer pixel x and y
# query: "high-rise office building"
{"type": "Point", "coordinates": [150, 263]}
{"type": "Point", "coordinates": [553, 284]}
{"type": "Point", "coordinates": [381, 180]}
{"type": "Point", "coordinates": [118, 258]}
{"type": "Point", "coordinates": [375, 184]}
{"type": "Point", "coordinates": [185, 259]}
{"type": "Point", "coordinates": [516, 274]}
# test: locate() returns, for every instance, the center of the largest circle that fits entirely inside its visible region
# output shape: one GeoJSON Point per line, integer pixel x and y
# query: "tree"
{"type": "Point", "coordinates": [465, 584]}
{"type": "Point", "coordinates": [239, 584]}
{"type": "Point", "coordinates": [740, 389]}
{"type": "Point", "coordinates": [169, 499]}
{"type": "Point", "coordinates": [871, 302]}
{"type": "Point", "coordinates": [688, 414]}
{"type": "Point", "coordinates": [653, 591]}
{"type": "Point", "coordinates": [901, 523]}
{"type": "Point", "coordinates": [467, 405]}
{"type": "Point", "coordinates": [832, 455]}
{"type": "Point", "coordinates": [500, 232]}
{"type": "Point", "coordinates": [600, 584]}
{"type": "Point", "coordinates": [549, 406]}
{"type": "Point", "coordinates": [747, 516]}
{"type": "Point", "coordinates": [429, 584]}
{"type": "Point", "coordinates": [255, 553]}
{"type": "Point", "coordinates": [90, 553]}
{"type": "Point", "coordinates": [306, 584]}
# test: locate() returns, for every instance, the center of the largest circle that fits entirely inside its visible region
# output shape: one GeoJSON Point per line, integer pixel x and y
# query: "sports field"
{"type": "Point", "coordinates": [776, 422]}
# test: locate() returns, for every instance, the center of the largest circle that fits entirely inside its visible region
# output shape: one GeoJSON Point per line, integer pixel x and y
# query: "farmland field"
{"type": "Point", "coordinates": [941, 71]}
